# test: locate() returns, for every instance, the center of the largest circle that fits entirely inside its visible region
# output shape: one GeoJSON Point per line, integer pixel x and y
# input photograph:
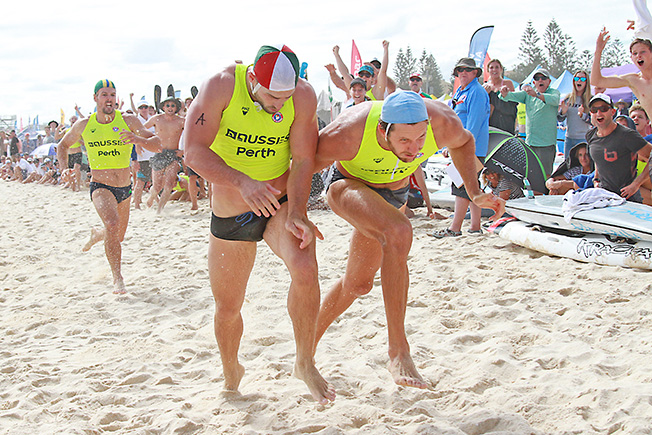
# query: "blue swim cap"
{"type": "Point", "coordinates": [403, 107]}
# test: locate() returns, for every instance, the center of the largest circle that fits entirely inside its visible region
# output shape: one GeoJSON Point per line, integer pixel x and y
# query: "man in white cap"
{"type": "Point", "coordinates": [376, 146]}
{"type": "Point", "coordinates": [614, 150]}
{"type": "Point", "coordinates": [416, 82]}
{"type": "Point", "coordinates": [241, 132]}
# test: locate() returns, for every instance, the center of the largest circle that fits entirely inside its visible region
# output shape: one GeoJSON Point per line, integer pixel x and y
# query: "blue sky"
{"type": "Point", "coordinates": [52, 55]}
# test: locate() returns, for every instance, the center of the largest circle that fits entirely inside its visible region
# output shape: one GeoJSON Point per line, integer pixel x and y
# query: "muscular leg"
{"type": "Point", "coordinates": [229, 266]}
{"type": "Point", "coordinates": [375, 219]}
{"type": "Point", "coordinates": [115, 218]}
{"type": "Point", "coordinates": [169, 181]}
{"type": "Point", "coordinates": [365, 256]}
{"type": "Point", "coordinates": [303, 301]}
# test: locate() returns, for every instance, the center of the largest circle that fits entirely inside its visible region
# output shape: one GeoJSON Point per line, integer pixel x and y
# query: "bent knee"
{"type": "Point", "coordinates": [359, 288]}
{"type": "Point", "coordinates": [397, 237]}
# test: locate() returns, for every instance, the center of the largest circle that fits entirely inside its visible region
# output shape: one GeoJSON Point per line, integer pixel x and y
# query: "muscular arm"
{"type": "Point", "coordinates": [449, 132]}
{"type": "Point", "coordinates": [303, 145]}
{"type": "Point", "coordinates": [201, 126]}
{"type": "Point", "coordinates": [139, 135]}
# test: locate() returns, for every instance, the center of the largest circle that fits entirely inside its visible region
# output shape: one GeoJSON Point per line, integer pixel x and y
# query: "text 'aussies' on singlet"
{"type": "Point", "coordinates": [105, 148]}
{"type": "Point", "coordinates": [377, 165]}
{"type": "Point", "coordinates": [251, 140]}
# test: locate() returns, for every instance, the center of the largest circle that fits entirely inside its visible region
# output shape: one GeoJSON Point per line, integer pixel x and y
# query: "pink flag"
{"type": "Point", "coordinates": [356, 60]}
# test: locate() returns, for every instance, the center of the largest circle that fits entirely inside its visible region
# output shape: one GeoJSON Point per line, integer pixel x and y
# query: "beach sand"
{"type": "Point", "coordinates": [511, 341]}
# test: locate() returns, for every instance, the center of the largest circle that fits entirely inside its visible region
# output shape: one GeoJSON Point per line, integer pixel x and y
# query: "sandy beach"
{"type": "Point", "coordinates": [511, 341]}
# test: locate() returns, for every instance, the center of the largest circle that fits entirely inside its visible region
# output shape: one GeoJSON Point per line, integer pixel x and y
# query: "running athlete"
{"type": "Point", "coordinates": [376, 146]}
{"type": "Point", "coordinates": [240, 133]}
{"type": "Point", "coordinates": [109, 137]}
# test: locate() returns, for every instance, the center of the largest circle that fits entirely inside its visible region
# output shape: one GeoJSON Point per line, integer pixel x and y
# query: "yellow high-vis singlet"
{"type": "Point", "coordinates": [251, 140]}
{"type": "Point", "coordinates": [377, 165]}
{"type": "Point", "coordinates": [105, 148]}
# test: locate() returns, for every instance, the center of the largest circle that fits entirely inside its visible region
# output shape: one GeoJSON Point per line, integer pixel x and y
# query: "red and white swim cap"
{"type": "Point", "coordinates": [276, 68]}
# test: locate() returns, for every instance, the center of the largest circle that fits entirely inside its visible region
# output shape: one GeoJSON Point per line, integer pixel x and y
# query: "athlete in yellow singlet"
{"type": "Point", "coordinates": [240, 133]}
{"type": "Point", "coordinates": [375, 152]}
{"type": "Point", "coordinates": [109, 137]}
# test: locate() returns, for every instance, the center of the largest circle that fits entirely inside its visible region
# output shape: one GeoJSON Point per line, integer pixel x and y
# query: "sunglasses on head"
{"type": "Point", "coordinates": [465, 69]}
{"type": "Point", "coordinates": [579, 79]}
{"type": "Point", "coordinates": [538, 78]}
{"type": "Point", "coordinates": [364, 74]}
{"type": "Point", "coordinates": [603, 109]}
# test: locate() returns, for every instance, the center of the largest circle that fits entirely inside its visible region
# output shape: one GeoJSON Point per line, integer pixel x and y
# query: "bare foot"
{"type": "Point", "coordinates": [96, 236]}
{"type": "Point", "coordinates": [321, 390]}
{"type": "Point", "coordinates": [405, 373]}
{"type": "Point", "coordinates": [119, 287]}
{"type": "Point", "coordinates": [194, 207]}
{"type": "Point", "coordinates": [232, 378]}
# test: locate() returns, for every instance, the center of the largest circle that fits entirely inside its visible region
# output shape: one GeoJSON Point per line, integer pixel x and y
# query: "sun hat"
{"type": "Point", "coordinates": [403, 107]}
{"type": "Point", "coordinates": [142, 103]}
{"type": "Point", "coordinates": [276, 68]}
{"type": "Point", "coordinates": [466, 62]}
{"type": "Point", "coordinates": [174, 100]}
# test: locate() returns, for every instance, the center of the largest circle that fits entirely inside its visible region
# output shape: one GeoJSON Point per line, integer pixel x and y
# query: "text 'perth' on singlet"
{"type": "Point", "coordinates": [105, 148]}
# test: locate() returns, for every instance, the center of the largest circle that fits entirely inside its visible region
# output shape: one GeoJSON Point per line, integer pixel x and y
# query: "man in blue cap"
{"type": "Point", "coordinates": [376, 146]}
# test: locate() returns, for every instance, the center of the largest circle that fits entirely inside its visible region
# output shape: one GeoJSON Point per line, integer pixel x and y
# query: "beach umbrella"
{"type": "Point", "coordinates": [511, 156]}
{"type": "Point", "coordinates": [47, 149]}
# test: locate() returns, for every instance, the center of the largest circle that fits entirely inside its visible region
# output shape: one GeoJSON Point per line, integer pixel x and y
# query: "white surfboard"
{"type": "Point", "coordinates": [630, 220]}
{"type": "Point", "coordinates": [589, 248]}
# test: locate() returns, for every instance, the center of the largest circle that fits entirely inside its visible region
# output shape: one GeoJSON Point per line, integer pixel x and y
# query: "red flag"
{"type": "Point", "coordinates": [356, 60]}
{"type": "Point", "coordinates": [487, 59]}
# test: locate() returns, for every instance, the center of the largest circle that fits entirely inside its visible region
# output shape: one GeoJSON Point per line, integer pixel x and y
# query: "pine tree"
{"type": "Point", "coordinates": [431, 75]}
{"type": "Point", "coordinates": [614, 54]}
{"type": "Point", "coordinates": [530, 53]}
{"type": "Point", "coordinates": [560, 50]}
{"type": "Point", "coordinates": [404, 66]}
{"type": "Point", "coordinates": [585, 61]}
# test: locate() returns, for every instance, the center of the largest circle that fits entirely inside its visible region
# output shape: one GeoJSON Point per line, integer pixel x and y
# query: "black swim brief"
{"type": "Point", "coordinates": [73, 159]}
{"type": "Point", "coordinates": [395, 198]}
{"type": "Point", "coordinates": [245, 227]}
{"type": "Point", "coordinates": [162, 160]}
{"type": "Point", "coordinates": [120, 193]}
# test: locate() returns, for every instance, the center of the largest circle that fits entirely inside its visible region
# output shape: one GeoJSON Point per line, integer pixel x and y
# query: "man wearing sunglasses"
{"type": "Point", "coordinates": [613, 148]}
{"type": "Point", "coordinates": [415, 85]}
{"type": "Point", "coordinates": [541, 104]}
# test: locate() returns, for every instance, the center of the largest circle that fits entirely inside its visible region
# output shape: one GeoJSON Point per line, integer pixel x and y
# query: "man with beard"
{"type": "Point", "coordinates": [109, 137]}
{"type": "Point", "coordinates": [242, 131]}
{"type": "Point", "coordinates": [376, 146]}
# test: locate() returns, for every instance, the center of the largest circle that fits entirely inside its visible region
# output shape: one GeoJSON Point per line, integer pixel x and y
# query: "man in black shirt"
{"type": "Point", "coordinates": [614, 149]}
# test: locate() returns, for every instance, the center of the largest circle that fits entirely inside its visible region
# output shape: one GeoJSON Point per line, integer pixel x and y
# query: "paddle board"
{"type": "Point", "coordinates": [194, 91]}
{"type": "Point", "coordinates": [157, 98]}
{"type": "Point", "coordinates": [630, 220]}
{"type": "Point", "coordinates": [588, 248]}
